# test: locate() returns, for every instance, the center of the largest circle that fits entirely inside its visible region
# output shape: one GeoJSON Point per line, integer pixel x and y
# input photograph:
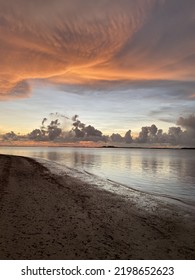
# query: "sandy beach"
{"type": "Point", "coordinates": [44, 215]}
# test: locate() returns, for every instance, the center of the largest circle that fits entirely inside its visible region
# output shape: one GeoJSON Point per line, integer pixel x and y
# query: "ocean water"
{"type": "Point", "coordinates": [166, 173]}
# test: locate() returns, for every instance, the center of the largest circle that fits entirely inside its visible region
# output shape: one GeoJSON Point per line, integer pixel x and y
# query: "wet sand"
{"type": "Point", "coordinates": [48, 216]}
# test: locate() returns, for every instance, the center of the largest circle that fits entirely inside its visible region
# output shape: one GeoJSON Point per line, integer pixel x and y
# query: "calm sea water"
{"type": "Point", "coordinates": [169, 173]}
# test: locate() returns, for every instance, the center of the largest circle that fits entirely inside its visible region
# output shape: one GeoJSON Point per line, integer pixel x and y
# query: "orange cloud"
{"type": "Point", "coordinates": [85, 42]}
{"type": "Point", "coordinates": [192, 96]}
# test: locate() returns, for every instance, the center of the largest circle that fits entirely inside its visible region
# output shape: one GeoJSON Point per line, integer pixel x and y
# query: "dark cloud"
{"type": "Point", "coordinates": [58, 115]}
{"type": "Point", "coordinates": [92, 131]}
{"type": "Point", "coordinates": [37, 135]}
{"type": "Point", "coordinates": [174, 136]}
{"type": "Point", "coordinates": [83, 132]}
{"type": "Point", "coordinates": [10, 136]}
{"type": "Point", "coordinates": [19, 89]}
{"type": "Point", "coordinates": [43, 121]}
{"type": "Point", "coordinates": [54, 131]}
{"type": "Point", "coordinates": [116, 137]}
{"type": "Point", "coordinates": [128, 138]}
{"type": "Point", "coordinates": [46, 133]}
{"type": "Point", "coordinates": [151, 134]}
{"type": "Point", "coordinates": [188, 122]}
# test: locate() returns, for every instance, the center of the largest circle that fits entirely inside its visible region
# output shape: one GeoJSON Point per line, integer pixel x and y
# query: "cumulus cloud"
{"type": "Point", "coordinates": [43, 121]}
{"type": "Point", "coordinates": [128, 138]}
{"type": "Point", "coordinates": [10, 136]}
{"type": "Point", "coordinates": [188, 122]}
{"type": "Point", "coordinates": [116, 137]}
{"type": "Point", "coordinates": [94, 43]}
{"type": "Point", "coordinates": [53, 131]}
{"type": "Point", "coordinates": [87, 132]}
{"type": "Point", "coordinates": [37, 135]}
{"type": "Point", "coordinates": [49, 133]}
{"type": "Point", "coordinates": [151, 134]}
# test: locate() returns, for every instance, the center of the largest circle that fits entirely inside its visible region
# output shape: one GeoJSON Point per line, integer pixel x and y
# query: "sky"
{"type": "Point", "coordinates": [118, 65]}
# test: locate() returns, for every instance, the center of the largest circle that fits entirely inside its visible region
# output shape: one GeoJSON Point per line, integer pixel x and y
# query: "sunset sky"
{"type": "Point", "coordinates": [119, 65]}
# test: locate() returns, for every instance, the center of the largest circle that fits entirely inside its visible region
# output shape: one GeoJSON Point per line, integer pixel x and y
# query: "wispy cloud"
{"type": "Point", "coordinates": [94, 43]}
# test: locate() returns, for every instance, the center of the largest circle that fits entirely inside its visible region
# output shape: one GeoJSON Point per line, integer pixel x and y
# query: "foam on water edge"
{"type": "Point", "coordinates": [142, 201]}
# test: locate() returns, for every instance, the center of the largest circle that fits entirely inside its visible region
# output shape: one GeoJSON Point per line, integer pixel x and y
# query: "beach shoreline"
{"type": "Point", "coordinates": [55, 215]}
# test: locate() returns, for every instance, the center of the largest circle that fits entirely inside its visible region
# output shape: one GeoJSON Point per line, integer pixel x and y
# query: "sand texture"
{"type": "Point", "coordinates": [48, 216]}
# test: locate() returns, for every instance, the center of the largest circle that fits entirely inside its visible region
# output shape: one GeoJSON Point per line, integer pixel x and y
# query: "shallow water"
{"type": "Point", "coordinates": [168, 173]}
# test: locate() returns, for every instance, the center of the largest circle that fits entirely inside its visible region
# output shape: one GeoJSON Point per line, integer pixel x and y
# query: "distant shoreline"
{"type": "Point", "coordinates": [160, 148]}
{"type": "Point", "coordinates": [54, 145]}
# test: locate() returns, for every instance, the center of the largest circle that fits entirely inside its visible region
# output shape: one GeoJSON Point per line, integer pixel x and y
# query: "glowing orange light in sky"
{"type": "Point", "coordinates": [87, 42]}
